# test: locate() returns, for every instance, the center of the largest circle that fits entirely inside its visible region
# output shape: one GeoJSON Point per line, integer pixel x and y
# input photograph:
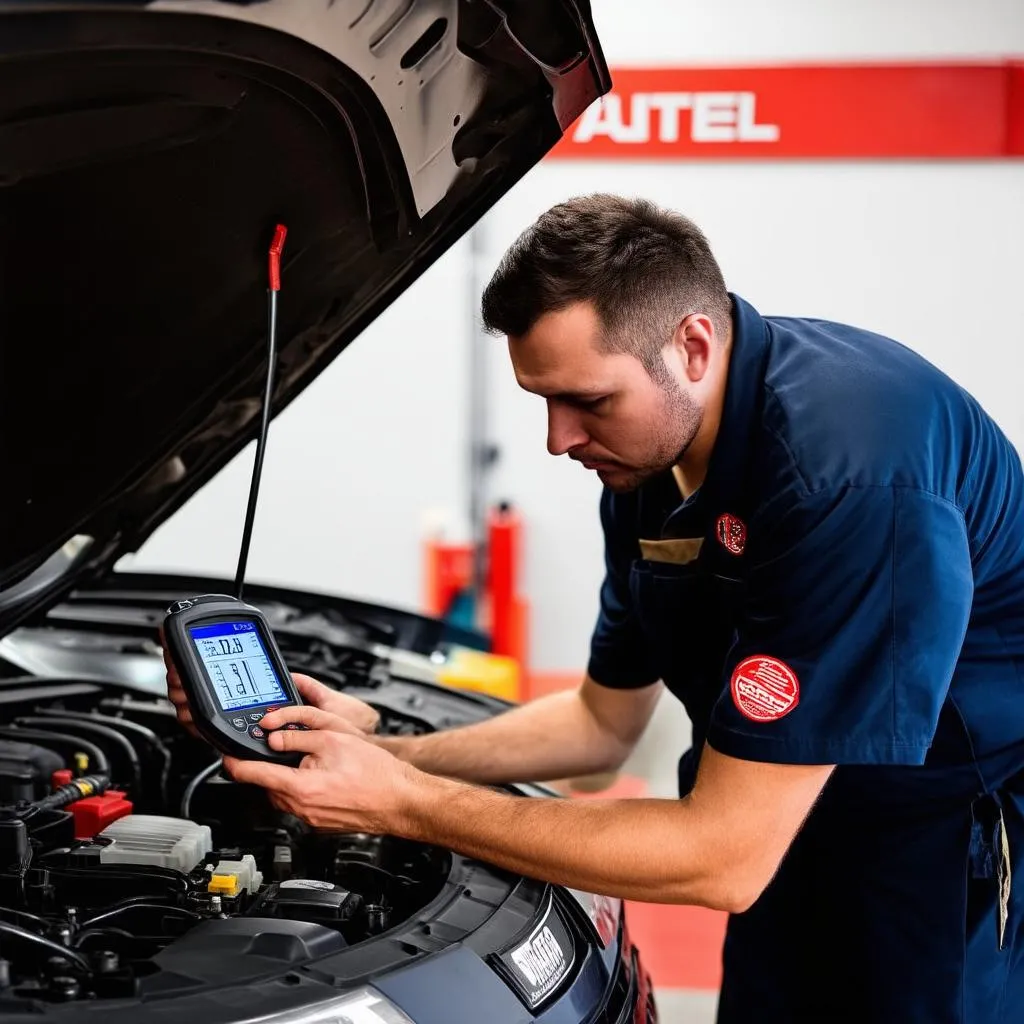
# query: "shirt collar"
{"type": "Point", "coordinates": [725, 488]}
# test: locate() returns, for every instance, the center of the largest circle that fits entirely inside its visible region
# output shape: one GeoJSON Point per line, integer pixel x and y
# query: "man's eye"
{"type": "Point", "coordinates": [593, 404]}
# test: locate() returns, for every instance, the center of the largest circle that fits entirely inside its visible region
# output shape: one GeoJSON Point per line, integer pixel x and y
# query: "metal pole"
{"type": "Point", "coordinates": [481, 451]}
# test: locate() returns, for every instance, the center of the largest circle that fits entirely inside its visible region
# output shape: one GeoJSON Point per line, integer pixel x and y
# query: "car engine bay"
{"type": "Point", "coordinates": [127, 857]}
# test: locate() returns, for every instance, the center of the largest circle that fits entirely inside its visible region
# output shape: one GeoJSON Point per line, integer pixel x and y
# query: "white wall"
{"type": "Point", "coordinates": [931, 253]}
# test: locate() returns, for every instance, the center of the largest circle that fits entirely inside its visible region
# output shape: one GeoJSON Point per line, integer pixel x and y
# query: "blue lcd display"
{"type": "Point", "coordinates": [236, 662]}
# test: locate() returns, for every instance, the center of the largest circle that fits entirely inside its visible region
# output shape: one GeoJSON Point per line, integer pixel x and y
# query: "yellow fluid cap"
{"type": "Point", "coordinates": [81, 762]}
{"type": "Point", "coordinates": [223, 885]}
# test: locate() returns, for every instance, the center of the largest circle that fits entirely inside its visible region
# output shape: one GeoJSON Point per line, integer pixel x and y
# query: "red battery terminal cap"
{"type": "Point", "coordinates": [94, 813]}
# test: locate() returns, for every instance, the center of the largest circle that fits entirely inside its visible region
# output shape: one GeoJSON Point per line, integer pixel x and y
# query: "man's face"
{"type": "Point", "coordinates": [605, 410]}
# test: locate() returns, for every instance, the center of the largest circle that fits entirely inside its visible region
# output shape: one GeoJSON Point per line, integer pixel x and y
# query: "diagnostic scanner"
{"type": "Point", "coordinates": [232, 673]}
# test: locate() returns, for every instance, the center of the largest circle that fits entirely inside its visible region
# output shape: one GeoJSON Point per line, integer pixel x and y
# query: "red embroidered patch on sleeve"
{"type": "Point", "coordinates": [764, 688]}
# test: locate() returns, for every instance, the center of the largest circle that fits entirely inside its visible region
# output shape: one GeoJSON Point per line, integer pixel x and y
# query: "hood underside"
{"type": "Point", "coordinates": [146, 153]}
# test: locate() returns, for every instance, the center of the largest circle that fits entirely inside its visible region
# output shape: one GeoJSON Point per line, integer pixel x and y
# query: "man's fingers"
{"type": "Point", "coordinates": [350, 709]}
{"type": "Point", "coordinates": [316, 741]}
{"type": "Point", "coordinates": [311, 689]}
{"type": "Point", "coordinates": [261, 773]}
{"type": "Point", "coordinates": [306, 714]}
{"type": "Point", "coordinates": [281, 803]}
{"type": "Point", "coordinates": [175, 693]}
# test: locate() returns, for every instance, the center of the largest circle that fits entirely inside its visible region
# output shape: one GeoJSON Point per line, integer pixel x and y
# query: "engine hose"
{"type": "Point", "coordinates": [130, 901]}
{"type": "Point", "coordinates": [34, 918]}
{"type": "Point", "coordinates": [186, 799]}
{"type": "Point", "coordinates": [51, 738]}
{"type": "Point", "coordinates": [108, 872]}
{"type": "Point", "coordinates": [53, 948]}
{"type": "Point", "coordinates": [77, 789]}
{"type": "Point", "coordinates": [117, 911]}
{"type": "Point", "coordinates": [79, 724]}
{"type": "Point", "coordinates": [91, 933]}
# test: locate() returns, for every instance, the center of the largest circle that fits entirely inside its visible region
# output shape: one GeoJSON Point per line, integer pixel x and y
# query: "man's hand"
{"type": "Point", "coordinates": [328, 709]}
{"type": "Point", "coordinates": [176, 694]}
{"type": "Point", "coordinates": [346, 783]}
{"type": "Point", "coordinates": [325, 709]}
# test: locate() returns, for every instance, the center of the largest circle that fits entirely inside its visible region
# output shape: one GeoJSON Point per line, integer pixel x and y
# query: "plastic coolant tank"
{"type": "Point", "coordinates": [153, 839]}
{"type": "Point", "coordinates": [230, 877]}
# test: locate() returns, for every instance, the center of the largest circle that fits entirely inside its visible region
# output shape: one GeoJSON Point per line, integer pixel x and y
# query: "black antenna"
{"type": "Point", "coordinates": [274, 286]}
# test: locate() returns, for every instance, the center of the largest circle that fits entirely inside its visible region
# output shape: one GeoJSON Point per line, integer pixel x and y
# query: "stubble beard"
{"type": "Point", "coordinates": [680, 420]}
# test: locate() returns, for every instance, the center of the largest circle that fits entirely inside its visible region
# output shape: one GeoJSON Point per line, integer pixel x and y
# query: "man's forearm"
{"type": "Point", "coordinates": [553, 737]}
{"type": "Point", "coordinates": [650, 850]}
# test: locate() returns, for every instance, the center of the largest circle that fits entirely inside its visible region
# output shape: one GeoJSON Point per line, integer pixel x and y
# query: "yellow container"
{"type": "Point", "coordinates": [493, 674]}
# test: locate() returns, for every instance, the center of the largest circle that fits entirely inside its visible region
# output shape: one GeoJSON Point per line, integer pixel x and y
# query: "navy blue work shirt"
{"type": "Point", "coordinates": [847, 587]}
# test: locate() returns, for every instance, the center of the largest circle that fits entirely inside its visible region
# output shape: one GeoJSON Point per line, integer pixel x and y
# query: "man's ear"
{"type": "Point", "coordinates": [692, 341]}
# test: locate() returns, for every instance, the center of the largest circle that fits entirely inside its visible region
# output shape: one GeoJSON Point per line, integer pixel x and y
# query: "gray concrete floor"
{"type": "Point", "coordinates": [677, 1007]}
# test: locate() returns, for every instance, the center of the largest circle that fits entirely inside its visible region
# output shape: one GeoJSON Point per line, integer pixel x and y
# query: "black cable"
{"type": "Point", "coordinates": [91, 933]}
{"type": "Point", "coordinates": [76, 789]}
{"type": "Point", "coordinates": [359, 865]}
{"type": "Point", "coordinates": [142, 732]}
{"type": "Point", "coordinates": [130, 901]}
{"type": "Point", "coordinates": [34, 918]}
{"type": "Point", "coordinates": [261, 443]}
{"type": "Point", "coordinates": [49, 738]}
{"type": "Point", "coordinates": [190, 789]}
{"type": "Point", "coordinates": [78, 724]}
{"type": "Point", "coordinates": [165, 907]}
{"type": "Point", "coordinates": [110, 872]}
{"type": "Point", "coordinates": [53, 948]}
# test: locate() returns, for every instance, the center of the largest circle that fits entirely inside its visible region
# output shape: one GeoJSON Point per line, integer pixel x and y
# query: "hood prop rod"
{"type": "Point", "coordinates": [273, 287]}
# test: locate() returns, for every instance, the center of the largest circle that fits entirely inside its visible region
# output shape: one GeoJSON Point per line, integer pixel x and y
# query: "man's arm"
{"type": "Point", "coordinates": [579, 732]}
{"type": "Point", "coordinates": [718, 847]}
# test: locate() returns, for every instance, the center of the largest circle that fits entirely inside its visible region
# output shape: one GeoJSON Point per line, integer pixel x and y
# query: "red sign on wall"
{"type": "Point", "coordinates": [832, 111]}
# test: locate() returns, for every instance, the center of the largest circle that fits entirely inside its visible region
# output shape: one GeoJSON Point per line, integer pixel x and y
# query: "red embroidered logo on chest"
{"type": "Point", "coordinates": [764, 689]}
{"type": "Point", "coordinates": [731, 533]}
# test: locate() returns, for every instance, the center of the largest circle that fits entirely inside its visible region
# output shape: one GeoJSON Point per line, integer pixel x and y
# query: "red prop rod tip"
{"type": "Point", "coordinates": [276, 247]}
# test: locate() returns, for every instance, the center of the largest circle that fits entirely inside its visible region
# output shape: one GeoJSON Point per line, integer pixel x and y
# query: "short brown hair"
{"type": "Point", "coordinates": [643, 268]}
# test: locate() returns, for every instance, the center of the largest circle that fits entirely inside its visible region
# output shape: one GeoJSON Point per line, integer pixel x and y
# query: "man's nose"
{"type": "Point", "coordinates": [564, 430]}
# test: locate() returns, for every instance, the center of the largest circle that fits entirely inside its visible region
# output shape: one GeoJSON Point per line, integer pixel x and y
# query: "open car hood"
{"type": "Point", "coordinates": [147, 152]}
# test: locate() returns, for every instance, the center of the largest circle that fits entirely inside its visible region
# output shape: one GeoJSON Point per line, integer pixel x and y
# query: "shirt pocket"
{"type": "Point", "coordinates": [688, 629]}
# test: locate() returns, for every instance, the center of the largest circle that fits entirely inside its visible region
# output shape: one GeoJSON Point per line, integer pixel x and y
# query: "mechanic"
{"type": "Point", "coordinates": [815, 541]}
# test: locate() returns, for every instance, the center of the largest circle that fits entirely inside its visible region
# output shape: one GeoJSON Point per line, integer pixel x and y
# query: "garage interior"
{"type": "Point", "coordinates": [857, 162]}
{"type": "Point", "coordinates": [859, 237]}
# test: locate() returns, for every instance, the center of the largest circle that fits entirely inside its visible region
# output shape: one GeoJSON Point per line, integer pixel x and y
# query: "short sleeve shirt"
{"type": "Point", "coordinates": [847, 586]}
